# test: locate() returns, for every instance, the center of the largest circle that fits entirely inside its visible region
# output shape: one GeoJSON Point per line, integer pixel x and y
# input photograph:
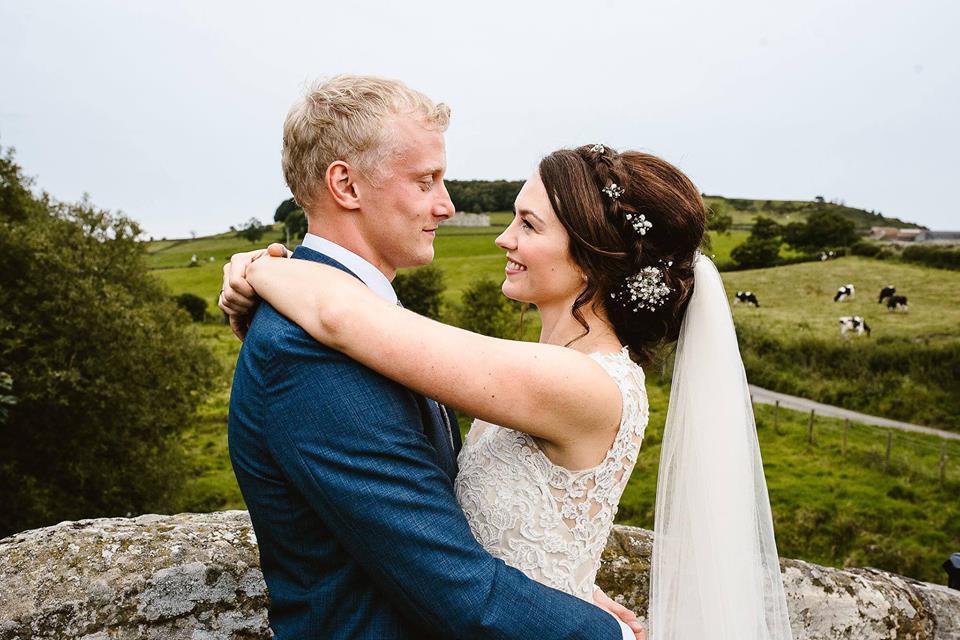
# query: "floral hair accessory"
{"type": "Point", "coordinates": [639, 222]}
{"type": "Point", "coordinates": [598, 148]}
{"type": "Point", "coordinates": [645, 290]}
{"type": "Point", "coordinates": [613, 190]}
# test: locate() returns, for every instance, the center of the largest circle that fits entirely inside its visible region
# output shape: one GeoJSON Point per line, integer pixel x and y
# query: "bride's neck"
{"type": "Point", "coordinates": [560, 327]}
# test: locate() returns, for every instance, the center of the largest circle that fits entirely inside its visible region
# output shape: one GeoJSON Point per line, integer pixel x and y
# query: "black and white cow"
{"type": "Point", "coordinates": [897, 303]}
{"type": "Point", "coordinates": [827, 255]}
{"type": "Point", "coordinates": [844, 292]}
{"type": "Point", "coordinates": [856, 324]}
{"type": "Point", "coordinates": [746, 297]}
{"type": "Point", "coordinates": [886, 292]}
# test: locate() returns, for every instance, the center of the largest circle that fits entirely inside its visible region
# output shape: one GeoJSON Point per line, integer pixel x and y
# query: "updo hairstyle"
{"type": "Point", "coordinates": [607, 248]}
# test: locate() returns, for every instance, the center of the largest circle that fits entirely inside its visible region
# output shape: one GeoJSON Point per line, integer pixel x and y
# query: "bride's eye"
{"type": "Point", "coordinates": [525, 224]}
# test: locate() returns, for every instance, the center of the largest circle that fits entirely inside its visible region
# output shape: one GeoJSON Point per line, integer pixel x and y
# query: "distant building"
{"type": "Point", "coordinates": [939, 237]}
{"type": "Point", "coordinates": [461, 219]}
{"type": "Point", "coordinates": [895, 234]}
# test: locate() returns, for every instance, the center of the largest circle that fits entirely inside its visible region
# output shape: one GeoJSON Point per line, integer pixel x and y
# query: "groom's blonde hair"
{"type": "Point", "coordinates": [349, 118]}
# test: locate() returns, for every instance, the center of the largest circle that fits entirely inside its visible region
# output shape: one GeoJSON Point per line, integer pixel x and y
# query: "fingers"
{"type": "Point", "coordinates": [628, 617]}
{"type": "Point", "coordinates": [277, 250]}
{"type": "Point", "coordinates": [239, 325]}
{"type": "Point", "coordinates": [237, 295]}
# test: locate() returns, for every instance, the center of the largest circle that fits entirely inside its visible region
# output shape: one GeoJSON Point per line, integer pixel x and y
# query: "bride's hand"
{"type": "Point", "coordinates": [237, 298]}
{"type": "Point", "coordinates": [617, 610]}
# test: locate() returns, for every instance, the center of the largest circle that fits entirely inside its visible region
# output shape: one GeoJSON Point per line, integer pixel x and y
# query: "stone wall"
{"type": "Point", "coordinates": [196, 576]}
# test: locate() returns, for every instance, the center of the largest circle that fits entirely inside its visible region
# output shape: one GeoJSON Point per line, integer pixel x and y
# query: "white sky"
{"type": "Point", "coordinates": [172, 110]}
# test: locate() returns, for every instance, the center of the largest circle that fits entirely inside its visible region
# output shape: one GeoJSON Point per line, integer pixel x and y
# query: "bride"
{"type": "Point", "coordinates": [605, 244]}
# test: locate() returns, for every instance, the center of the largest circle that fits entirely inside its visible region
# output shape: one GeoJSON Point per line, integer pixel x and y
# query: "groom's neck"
{"type": "Point", "coordinates": [350, 237]}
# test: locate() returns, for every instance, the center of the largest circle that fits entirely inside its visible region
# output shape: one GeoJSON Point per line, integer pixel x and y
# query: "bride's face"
{"type": "Point", "coordinates": [539, 267]}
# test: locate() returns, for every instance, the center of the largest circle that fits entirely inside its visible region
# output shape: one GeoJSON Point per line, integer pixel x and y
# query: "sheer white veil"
{"type": "Point", "coordinates": [715, 571]}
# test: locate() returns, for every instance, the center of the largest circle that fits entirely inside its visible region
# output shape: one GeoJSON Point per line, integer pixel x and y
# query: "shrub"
{"type": "Point", "coordinates": [192, 304]}
{"type": "Point", "coordinates": [486, 310]}
{"type": "Point", "coordinates": [421, 290]}
{"type": "Point", "coordinates": [933, 256]}
{"type": "Point", "coordinates": [755, 254]}
{"type": "Point", "coordinates": [863, 248]}
{"type": "Point", "coordinates": [105, 371]}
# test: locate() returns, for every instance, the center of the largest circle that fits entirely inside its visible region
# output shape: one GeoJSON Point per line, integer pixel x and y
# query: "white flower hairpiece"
{"type": "Point", "coordinates": [598, 148]}
{"type": "Point", "coordinates": [645, 290]}
{"type": "Point", "coordinates": [639, 222]}
{"type": "Point", "coordinates": [613, 190]}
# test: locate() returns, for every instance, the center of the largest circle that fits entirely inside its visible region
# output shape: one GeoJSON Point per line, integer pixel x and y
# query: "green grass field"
{"type": "Point", "coordinates": [798, 299]}
{"type": "Point", "coordinates": [830, 508]}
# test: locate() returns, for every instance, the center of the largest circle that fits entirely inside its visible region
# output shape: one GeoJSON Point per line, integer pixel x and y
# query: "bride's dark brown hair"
{"type": "Point", "coordinates": [607, 248]}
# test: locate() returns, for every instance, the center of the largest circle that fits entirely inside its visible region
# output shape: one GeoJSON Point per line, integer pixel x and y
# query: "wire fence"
{"type": "Point", "coordinates": [896, 452]}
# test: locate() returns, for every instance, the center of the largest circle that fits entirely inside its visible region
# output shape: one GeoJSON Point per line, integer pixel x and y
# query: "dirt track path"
{"type": "Point", "coordinates": [765, 396]}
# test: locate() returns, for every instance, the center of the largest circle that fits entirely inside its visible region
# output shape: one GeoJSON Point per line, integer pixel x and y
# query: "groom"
{"type": "Point", "coordinates": [347, 475]}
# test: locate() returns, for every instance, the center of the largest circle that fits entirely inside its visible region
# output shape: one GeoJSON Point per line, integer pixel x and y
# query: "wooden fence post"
{"type": "Point", "coordinates": [776, 417]}
{"type": "Point", "coordinates": [943, 463]}
{"type": "Point", "coordinates": [846, 429]}
{"type": "Point", "coordinates": [886, 463]}
{"type": "Point", "coordinates": [810, 428]}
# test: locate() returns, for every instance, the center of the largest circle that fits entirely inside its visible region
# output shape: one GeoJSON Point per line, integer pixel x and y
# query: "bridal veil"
{"type": "Point", "coordinates": [715, 571]}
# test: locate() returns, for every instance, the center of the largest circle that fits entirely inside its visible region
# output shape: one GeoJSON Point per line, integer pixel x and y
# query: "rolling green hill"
{"type": "Point", "coordinates": [744, 211]}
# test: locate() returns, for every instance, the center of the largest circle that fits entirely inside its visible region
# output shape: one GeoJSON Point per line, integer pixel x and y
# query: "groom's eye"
{"type": "Point", "coordinates": [426, 185]}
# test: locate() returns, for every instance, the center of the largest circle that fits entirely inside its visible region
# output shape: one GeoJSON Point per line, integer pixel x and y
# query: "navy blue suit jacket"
{"type": "Point", "coordinates": [348, 477]}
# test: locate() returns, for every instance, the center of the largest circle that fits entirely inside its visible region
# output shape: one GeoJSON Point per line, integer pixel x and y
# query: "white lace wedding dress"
{"type": "Point", "coordinates": [545, 520]}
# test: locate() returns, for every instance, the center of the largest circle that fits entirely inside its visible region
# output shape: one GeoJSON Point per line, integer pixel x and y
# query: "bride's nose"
{"type": "Point", "coordinates": [508, 239]}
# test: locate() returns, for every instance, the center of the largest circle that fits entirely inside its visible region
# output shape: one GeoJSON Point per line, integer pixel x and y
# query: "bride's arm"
{"type": "Point", "coordinates": [548, 391]}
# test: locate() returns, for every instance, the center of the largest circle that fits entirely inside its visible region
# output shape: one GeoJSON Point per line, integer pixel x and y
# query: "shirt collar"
{"type": "Point", "coordinates": [371, 276]}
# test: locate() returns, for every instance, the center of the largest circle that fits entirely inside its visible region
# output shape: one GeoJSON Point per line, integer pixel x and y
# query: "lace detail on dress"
{"type": "Point", "coordinates": [548, 521]}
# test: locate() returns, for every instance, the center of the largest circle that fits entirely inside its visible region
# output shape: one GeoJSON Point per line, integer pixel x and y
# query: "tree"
{"type": "Point", "coordinates": [105, 371]}
{"type": "Point", "coordinates": [252, 231]}
{"type": "Point", "coordinates": [823, 229]}
{"type": "Point", "coordinates": [718, 220]}
{"type": "Point", "coordinates": [765, 228]}
{"type": "Point", "coordinates": [286, 207]}
{"type": "Point", "coordinates": [296, 224]}
{"type": "Point", "coordinates": [762, 247]}
{"type": "Point", "coordinates": [421, 290]}
{"type": "Point", "coordinates": [486, 310]}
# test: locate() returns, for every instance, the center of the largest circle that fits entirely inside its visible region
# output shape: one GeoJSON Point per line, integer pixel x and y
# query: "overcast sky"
{"type": "Point", "coordinates": [172, 111]}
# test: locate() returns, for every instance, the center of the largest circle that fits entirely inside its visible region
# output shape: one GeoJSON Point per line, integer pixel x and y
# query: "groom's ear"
{"type": "Point", "coordinates": [341, 183]}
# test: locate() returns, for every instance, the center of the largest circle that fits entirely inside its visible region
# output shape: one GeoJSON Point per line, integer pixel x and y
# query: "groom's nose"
{"type": "Point", "coordinates": [444, 206]}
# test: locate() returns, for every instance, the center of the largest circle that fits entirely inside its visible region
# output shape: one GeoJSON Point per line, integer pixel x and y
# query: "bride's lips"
{"type": "Point", "coordinates": [513, 267]}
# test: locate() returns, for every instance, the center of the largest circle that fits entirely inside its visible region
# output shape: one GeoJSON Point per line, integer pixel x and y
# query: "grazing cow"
{"type": "Point", "coordinates": [897, 303]}
{"type": "Point", "coordinates": [747, 297]}
{"type": "Point", "coordinates": [844, 292]}
{"type": "Point", "coordinates": [855, 324]}
{"type": "Point", "coordinates": [886, 292]}
{"type": "Point", "coordinates": [827, 255]}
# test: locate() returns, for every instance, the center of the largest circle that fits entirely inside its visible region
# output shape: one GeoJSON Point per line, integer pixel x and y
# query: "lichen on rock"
{"type": "Point", "coordinates": [197, 576]}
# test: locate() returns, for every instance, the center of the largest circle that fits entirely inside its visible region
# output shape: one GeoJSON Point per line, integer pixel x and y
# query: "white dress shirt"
{"type": "Point", "coordinates": [369, 274]}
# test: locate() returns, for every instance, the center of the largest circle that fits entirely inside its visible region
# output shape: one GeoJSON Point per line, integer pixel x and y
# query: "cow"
{"type": "Point", "coordinates": [844, 292]}
{"type": "Point", "coordinates": [747, 297]}
{"type": "Point", "coordinates": [855, 324]}
{"type": "Point", "coordinates": [827, 255]}
{"type": "Point", "coordinates": [886, 292]}
{"type": "Point", "coordinates": [897, 303]}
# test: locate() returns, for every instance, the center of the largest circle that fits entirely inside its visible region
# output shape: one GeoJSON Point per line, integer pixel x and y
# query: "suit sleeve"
{"type": "Point", "coordinates": [351, 442]}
